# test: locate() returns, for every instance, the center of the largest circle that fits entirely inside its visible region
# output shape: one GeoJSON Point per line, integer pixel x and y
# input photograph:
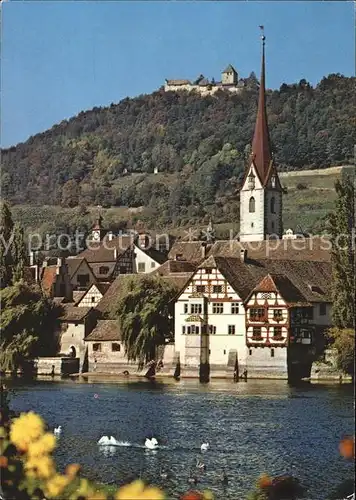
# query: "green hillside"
{"type": "Point", "coordinates": [305, 209]}
{"type": "Point", "coordinates": [199, 146]}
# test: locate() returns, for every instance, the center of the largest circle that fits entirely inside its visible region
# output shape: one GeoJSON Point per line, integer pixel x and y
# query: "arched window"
{"type": "Point", "coordinates": [252, 205]}
{"type": "Point", "coordinates": [273, 205]}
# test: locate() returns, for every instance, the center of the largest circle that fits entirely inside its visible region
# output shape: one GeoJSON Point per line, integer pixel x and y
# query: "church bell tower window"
{"type": "Point", "coordinates": [252, 205]}
{"type": "Point", "coordinates": [251, 181]}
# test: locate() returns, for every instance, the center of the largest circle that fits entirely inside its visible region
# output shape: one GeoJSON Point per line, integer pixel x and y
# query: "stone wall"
{"type": "Point", "coordinates": [260, 363]}
{"type": "Point", "coordinates": [56, 366]}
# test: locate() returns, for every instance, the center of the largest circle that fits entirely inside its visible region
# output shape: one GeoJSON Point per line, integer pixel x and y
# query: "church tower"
{"type": "Point", "coordinates": [98, 232]}
{"type": "Point", "coordinates": [261, 192]}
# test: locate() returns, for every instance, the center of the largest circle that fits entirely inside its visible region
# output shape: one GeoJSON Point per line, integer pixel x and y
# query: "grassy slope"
{"type": "Point", "coordinates": [302, 208]}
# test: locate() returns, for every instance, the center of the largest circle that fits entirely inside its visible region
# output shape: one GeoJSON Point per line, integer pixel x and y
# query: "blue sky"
{"type": "Point", "coordinates": [59, 58]}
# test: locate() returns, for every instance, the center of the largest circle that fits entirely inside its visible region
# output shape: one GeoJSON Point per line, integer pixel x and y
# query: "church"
{"type": "Point", "coordinates": [256, 306]}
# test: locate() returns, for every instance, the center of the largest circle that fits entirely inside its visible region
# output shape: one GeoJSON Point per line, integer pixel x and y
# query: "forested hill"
{"type": "Point", "coordinates": [95, 157]}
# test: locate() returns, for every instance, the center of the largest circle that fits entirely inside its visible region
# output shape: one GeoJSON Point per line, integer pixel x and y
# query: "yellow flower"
{"type": "Point", "coordinates": [84, 489]}
{"type": "Point", "coordinates": [44, 445]}
{"type": "Point", "coordinates": [72, 470]}
{"type": "Point", "coordinates": [56, 485]}
{"type": "Point", "coordinates": [42, 467]}
{"type": "Point", "coordinates": [25, 429]}
{"type": "Point", "coordinates": [138, 491]}
{"type": "Point", "coordinates": [98, 495]}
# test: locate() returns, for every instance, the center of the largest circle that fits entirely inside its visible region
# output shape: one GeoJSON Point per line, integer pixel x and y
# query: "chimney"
{"type": "Point", "coordinates": [243, 255]}
{"type": "Point", "coordinates": [45, 263]}
{"type": "Point", "coordinates": [110, 235]}
{"type": "Point", "coordinates": [36, 268]}
{"type": "Point", "coordinates": [115, 253]}
{"type": "Point", "coordinates": [32, 258]}
{"type": "Point", "coordinates": [203, 250]}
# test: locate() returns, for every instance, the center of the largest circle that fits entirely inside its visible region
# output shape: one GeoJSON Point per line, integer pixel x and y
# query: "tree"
{"type": "Point", "coordinates": [19, 254]}
{"type": "Point", "coordinates": [145, 314]}
{"type": "Point", "coordinates": [6, 251]}
{"type": "Point", "coordinates": [70, 194]}
{"type": "Point", "coordinates": [343, 341]}
{"type": "Point", "coordinates": [27, 325]}
{"type": "Point", "coordinates": [341, 225]}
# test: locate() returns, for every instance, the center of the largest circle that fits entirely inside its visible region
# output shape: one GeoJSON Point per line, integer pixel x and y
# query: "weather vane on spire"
{"type": "Point", "coordinates": [263, 38]}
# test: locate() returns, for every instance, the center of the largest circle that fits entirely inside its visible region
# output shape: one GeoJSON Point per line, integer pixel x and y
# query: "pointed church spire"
{"type": "Point", "coordinates": [261, 147]}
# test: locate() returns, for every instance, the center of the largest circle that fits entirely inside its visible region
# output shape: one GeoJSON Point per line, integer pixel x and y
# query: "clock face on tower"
{"type": "Point", "coordinates": [96, 236]}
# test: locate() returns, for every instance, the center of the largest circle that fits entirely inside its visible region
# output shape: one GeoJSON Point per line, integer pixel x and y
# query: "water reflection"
{"type": "Point", "coordinates": [107, 451]}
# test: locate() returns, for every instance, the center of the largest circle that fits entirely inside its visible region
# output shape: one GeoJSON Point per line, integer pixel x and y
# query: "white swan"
{"type": "Point", "coordinates": [204, 447]}
{"type": "Point", "coordinates": [151, 444]}
{"type": "Point", "coordinates": [57, 430]}
{"type": "Point", "coordinates": [111, 441]}
{"type": "Point", "coordinates": [104, 440]}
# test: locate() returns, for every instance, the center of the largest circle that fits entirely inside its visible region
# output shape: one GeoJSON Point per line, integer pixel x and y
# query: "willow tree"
{"type": "Point", "coordinates": [145, 315]}
{"type": "Point", "coordinates": [27, 323]}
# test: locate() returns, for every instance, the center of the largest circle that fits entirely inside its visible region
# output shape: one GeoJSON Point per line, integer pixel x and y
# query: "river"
{"type": "Point", "coordinates": [252, 427]}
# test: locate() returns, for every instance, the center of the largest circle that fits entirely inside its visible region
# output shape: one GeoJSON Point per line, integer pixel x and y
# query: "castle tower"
{"type": "Point", "coordinates": [229, 76]}
{"type": "Point", "coordinates": [261, 192]}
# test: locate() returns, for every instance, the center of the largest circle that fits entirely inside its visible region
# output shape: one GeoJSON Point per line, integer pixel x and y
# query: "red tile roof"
{"type": "Point", "coordinates": [48, 278]}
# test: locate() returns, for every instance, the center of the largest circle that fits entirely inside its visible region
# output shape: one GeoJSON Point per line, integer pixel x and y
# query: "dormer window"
{"type": "Point", "coordinates": [251, 181]}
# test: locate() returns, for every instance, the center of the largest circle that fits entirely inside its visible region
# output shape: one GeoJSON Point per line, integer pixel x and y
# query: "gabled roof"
{"type": "Point", "coordinates": [306, 249]}
{"type": "Point", "coordinates": [73, 265]}
{"type": "Point", "coordinates": [77, 296]}
{"type": "Point", "coordinates": [266, 285]}
{"type": "Point", "coordinates": [191, 251]}
{"type": "Point", "coordinates": [104, 251]}
{"type": "Point", "coordinates": [102, 287]}
{"type": "Point", "coordinates": [178, 82]}
{"type": "Point", "coordinates": [119, 287]}
{"type": "Point", "coordinates": [175, 267]}
{"type": "Point", "coordinates": [73, 313]}
{"type": "Point", "coordinates": [154, 254]}
{"type": "Point", "coordinates": [96, 268]}
{"type": "Point", "coordinates": [281, 284]}
{"type": "Point", "coordinates": [290, 277]}
{"type": "Point", "coordinates": [105, 330]}
{"type": "Point", "coordinates": [229, 68]}
{"type": "Point", "coordinates": [209, 262]}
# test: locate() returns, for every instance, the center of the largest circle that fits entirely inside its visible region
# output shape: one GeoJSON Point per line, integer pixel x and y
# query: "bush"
{"type": "Point", "coordinates": [301, 186]}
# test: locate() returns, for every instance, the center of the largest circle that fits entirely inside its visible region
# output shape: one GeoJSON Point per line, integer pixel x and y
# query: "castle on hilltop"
{"type": "Point", "coordinates": [229, 81]}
